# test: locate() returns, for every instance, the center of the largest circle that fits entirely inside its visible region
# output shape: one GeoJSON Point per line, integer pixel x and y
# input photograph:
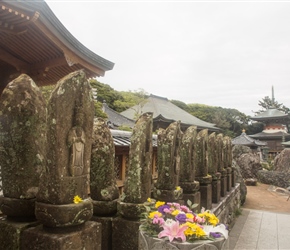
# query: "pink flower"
{"type": "Point", "coordinates": [185, 209]}
{"type": "Point", "coordinates": [159, 221]}
{"type": "Point", "coordinates": [173, 230]}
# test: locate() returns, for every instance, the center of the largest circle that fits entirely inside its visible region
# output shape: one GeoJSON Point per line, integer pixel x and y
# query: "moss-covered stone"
{"type": "Point", "coordinates": [22, 140]}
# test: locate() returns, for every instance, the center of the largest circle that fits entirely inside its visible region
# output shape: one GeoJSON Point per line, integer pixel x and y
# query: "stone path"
{"type": "Point", "coordinates": [264, 223]}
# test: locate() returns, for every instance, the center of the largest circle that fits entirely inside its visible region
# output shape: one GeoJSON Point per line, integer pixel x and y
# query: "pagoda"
{"type": "Point", "coordinates": [275, 130]}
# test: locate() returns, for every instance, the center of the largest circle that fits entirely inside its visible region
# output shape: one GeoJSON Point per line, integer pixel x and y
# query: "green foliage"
{"type": "Point", "coordinates": [99, 110]}
{"type": "Point", "coordinates": [106, 94]}
{"type": "Point", "coordinates": [254, 128]}
{"type": "Point", "coordinates": [124, 128]}
{"type": "Point", "coordinates": [267, 103]}
{"type": "Point", "coordinates": [180, 104]}
{"type": "Point", "coordinates": [268, 165]}
{"type": "Point", "coordinates": [238, 212]}
{"type": "Point", "coordinates": [130, 99]}
{"type": "Point", "coordinates": [231, 121]}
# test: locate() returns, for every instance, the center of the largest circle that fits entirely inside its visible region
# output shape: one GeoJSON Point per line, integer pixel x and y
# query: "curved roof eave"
{"type": "Point", "coordinates": [48, 19]}
{"type": "Point", "coordinates": [270, 114]}
{"type": "Point", "coordinates": [162, 118]}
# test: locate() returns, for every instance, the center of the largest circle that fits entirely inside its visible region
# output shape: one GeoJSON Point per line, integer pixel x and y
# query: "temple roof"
{"type": "Point", "coordinates": [245, 140]}
{"type": "Point", "coordinates": [35, 42]}
{"type": "Point", "coordinates": [270, 136]}
{"type": "Point", "coordinates": [122, 138]}
{"type": "Point", "coordinates": [286, 144]}
{"type": "Point", "coordinates": [271, 114]}
{"type": "Point", "coordinates": [164, 110]}
{"type": "Point", "coordinates": [115, 119]}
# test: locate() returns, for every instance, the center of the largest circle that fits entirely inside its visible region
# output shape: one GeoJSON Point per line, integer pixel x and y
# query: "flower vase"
{"type": "Point", "coordinates": [147, 242]}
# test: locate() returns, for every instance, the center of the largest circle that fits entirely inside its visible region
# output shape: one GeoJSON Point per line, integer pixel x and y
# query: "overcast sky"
{"type": "Point", "coordinates": [218, 53]}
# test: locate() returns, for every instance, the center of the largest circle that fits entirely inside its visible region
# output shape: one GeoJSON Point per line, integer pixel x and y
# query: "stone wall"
{"type": "Point", "coordinates": [228, 207]}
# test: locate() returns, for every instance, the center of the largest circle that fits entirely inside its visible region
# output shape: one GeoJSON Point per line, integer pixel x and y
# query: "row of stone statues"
{"type": "Point", "coordinates": [57, 165]}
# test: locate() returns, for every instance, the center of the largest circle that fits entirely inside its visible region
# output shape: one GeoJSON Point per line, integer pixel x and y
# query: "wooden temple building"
{"type": "Point", "coordinates": [275, 129]}
{"type": "Point", "coordinates": [165, 112]}
{"type": "Point", "coordinates": [33, 41]}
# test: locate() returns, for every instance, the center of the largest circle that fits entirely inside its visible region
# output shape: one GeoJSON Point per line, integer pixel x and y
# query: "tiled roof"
{"type": "Point", "coordinates": [115, 119]}
{"type": "Point", "coordinates": [122, 138]}
{"type": "Point", "coordinates": [270, 113]}
{"type": "Point", "coordinates": [245, 140]}
{"type": "Point", "coordinates": [163, 109]}
{"type": "Point", "coordinates": [267, 135]}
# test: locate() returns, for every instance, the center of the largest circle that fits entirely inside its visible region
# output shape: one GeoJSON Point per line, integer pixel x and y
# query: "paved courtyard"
{"type": "Point", "coordinates": [256, 229]}
{"type": "Point", "coordinates": [265, 221]}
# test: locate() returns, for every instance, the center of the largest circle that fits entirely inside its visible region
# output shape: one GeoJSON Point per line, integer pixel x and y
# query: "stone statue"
{"type": "Point", "coordinates": [76, 142]}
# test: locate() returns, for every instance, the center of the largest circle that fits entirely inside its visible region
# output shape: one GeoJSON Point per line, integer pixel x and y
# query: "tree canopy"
{"type": "Point", "coordinates": [268, 102]}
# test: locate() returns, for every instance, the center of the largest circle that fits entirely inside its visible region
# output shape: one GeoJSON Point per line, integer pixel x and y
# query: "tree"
{"type": "Point", "coordinates": [130, 99]}
{"type": "Point", "coordinates": [267, 103]}
{"type": "Point", "coordinates": [105, 93]}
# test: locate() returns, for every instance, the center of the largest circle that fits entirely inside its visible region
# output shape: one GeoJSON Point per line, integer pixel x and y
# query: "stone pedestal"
{"type": "Point", "coordinates": [206, 196]}
{"type": "Point", "coordinates": [229, 179]}
{"type": "Point", "coordinates": [125, 234]}
{"type": "Point", "coordinates": [216, 190]}
{"type": "Point", "coordinates": [194, 198]}
{"type": "Point", "coordinates": [11, 231]}
{"type": "Point", "coordinates": [191, 192]}
{"type": "Point", "coordinates": [106, 230]}
{"type": "Point", "coordinates": [86, 236]}
{"type": "Point", "coordinates": [168, 195]}
{"type": "Point", "coordinates": [224, 183]}
{"type": "Point", "coordinates": [233, 176]}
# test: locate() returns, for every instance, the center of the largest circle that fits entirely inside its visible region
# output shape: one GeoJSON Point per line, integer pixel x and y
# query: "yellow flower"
{"type": "Point", "coordinates": [159, 203]}
{"type": "Point", "coordinates": [149, 199]}
{"type": "Point", "coordinates": [152, 214]}
{"type": "Point", "coordinates": [178, 188]}
{"type": "Point", "coordinates": [175, 212]}
{"type": "Point", "coordinates": [194, 229]}
{"type": "Point", "coordinates": [77, 199]}
{"type": "Point", "coordinates": [209, 217]}
{"type": "Point", "coordinates": [189, 215]}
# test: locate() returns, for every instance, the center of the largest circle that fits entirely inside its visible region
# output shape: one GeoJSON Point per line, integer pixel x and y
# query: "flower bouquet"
{"type": "Point", "coordinates": [175, 222]}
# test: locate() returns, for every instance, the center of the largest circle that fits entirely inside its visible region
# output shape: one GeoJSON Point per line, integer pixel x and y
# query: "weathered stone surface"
{"type": "Point", "coordinates": [212, 155]}
{"type": "Point", "coordinates": [69, 136]}
{"type": "Point", "coordinates": [238, 150]}
{"type": "Point", "coordinates": [249, 165]}
{"type": "Point", "coordinates": [86, 236]}
{"type": "Point", "coordinates": [22, 142]}
{"type": "Point", "coordinates": [219, 148]}
{"type": "Point", "coordinates": [202, 154]}
{"type": "Point", "coordinates": [103, 184]}
{"type": "Point", "coordinates": [282, 161]}
{"type": "Point", "coordinates": [240, 180]}
{"type": "Point", "coordinates": [216, 190]}
{"type": "Point", "coordinates": [251, 182]}
{"type": "Point", "coordinates": [188, 155]}
{"type": "Point", "coordinates": [206, 196]}
{"type": "Point", "coordinates": [168, 162]}
{"type": "Point", "coordinates": [125, 234]}
{"type": "Point", "coordinates": [227, 208]}
{"type": "Point", "coordinates": [64, 215]}
{"type": "Point", "coordinates": [11, 231]}
{"type": "Point", "coordinates": [137, 186]}
{"type": "Point", "coordinates": [106, 231]}
{"type": "Point", "coordinates": [276, 178]}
